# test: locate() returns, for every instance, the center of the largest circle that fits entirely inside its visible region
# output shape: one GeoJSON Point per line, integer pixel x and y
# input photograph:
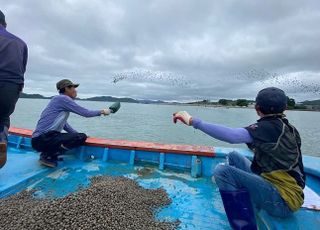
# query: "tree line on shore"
{"type": "Point", "coordinates": [291, 104]}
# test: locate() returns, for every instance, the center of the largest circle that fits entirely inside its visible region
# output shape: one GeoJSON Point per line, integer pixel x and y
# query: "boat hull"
{"type": "Point", "coordinates": [184, 171]}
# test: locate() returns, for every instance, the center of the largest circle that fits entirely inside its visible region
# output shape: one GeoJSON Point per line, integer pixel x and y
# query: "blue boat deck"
{"type": "Point", "coordinates": [22, 168]}
{"type": "Point", "coordinates": [196, 201]}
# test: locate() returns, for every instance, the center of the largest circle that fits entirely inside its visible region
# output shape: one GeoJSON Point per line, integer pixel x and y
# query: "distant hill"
{"type": "Point", "coordinates": [111, 99]}
{"type": "Point", "coordinates": [99, 98]}
{"type": "Point", "coordinates": [123, 99]}
{"type": "Point", "coordinates": [33, 96]}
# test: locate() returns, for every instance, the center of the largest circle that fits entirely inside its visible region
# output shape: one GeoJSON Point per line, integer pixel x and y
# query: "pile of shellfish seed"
{"type": "Point", "coordinates": [108, 203]}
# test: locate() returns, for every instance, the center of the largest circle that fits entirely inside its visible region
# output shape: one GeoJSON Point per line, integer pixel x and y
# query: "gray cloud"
{"type": "Point", "coordinates": [209, 43]}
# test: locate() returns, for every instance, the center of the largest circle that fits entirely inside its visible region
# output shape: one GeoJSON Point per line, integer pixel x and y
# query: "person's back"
{"type": "Point", "coordinates": [277, 157]}
{"type": "Point", "coordinates": [56, 113]}
{"type": "Point", "coordinates": [52, 116]}
{"type": "Point", "coordinates": [275, 179]}
{"type": "Point", "coordinates": [13, 57]}
{"type": "Point", "coordinates": [13, 61]}
{"type": "Point", "coordinates": [276, 146]}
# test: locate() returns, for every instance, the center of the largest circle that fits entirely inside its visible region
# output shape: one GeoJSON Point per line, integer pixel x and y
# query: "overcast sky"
{"type": "Point", "coordinates": [177, 50]}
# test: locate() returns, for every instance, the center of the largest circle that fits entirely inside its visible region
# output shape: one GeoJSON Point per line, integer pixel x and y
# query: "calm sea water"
{"type": "Point", "coordinates": [154, 123]}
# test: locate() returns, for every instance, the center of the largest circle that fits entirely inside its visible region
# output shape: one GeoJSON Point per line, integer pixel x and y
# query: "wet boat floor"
{"type": "Point", "coordinates": [195, 203]}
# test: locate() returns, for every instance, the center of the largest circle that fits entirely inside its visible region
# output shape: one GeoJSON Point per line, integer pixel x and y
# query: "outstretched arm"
{"type": "Point", "coordinates": [223, 133]}
{"type": "Point", "coordinates": [220, 132]}
{"type": "Point", "coordinates": [68, 104]}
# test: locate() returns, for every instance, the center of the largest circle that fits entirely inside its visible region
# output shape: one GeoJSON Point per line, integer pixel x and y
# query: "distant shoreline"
{"type": "Point", "coordinates": [239, 107]}
{"type": "Point", "coordinates": [184, 104]}
{"type": "Point", "coordinates": [159, 102]}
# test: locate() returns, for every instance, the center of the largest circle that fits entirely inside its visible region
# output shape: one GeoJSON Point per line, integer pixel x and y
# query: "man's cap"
{"type": "Point", "coordinates": [65, 83]}
{"type": "Point", "coordinates": [271, 100]}
{"type": "Point", "coordinates": [2, 18]}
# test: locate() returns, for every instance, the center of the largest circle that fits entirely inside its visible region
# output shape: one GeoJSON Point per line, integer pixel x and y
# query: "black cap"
{"type": "Point", "coordinates": [271, 100]}
{"type": "Point", "coordinates": [65, 83]}
{"type": "Point", "coordinates": [2, 18]}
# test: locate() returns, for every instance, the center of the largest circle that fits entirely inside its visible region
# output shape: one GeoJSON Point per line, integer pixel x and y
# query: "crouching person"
{"type": "Point", "coordinates": [275, 179]}
{"type": "Point", "coordinates": [47, 137]}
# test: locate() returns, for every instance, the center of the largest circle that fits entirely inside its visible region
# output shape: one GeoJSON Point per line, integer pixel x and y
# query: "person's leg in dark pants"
{"type": "Point", "coordinates": [54, 143]}
{"type": "Point", "coordinates": [69, 141]}
{"type": "Point", "coordinates": [9, 95]}
{"type": "Point", "coordinates": [238, 175]}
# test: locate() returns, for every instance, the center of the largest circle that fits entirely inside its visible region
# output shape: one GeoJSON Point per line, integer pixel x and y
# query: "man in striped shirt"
{"type": "Point", "coordinates": [47, 137]}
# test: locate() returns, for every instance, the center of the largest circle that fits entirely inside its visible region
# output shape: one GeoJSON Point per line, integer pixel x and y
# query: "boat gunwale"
{"type": "Point", "coordinates": [206, 151]}
{"type": "Point", "coordinates": [311, 163]}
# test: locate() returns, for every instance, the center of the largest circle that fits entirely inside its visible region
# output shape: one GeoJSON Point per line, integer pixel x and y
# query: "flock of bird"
{"type": "Point", "coordinates": [258, 75]}
{"type": "Point", "coordinates": [300, 86]}
{"type": "Point", "coordinates": [175, 80]}
{"type": "Point", "coordinates": [294, 84]}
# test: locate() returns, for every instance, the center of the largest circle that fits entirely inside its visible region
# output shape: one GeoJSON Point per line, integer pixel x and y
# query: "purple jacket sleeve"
{"type": "Point", "coordinates": [69, 129]}
{"type": "Point", "coordinates": [223, 133]}
{"type": "Point", "coordinates": [69, 105]}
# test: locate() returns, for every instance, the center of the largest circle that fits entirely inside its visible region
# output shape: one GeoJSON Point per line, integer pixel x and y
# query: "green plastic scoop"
{"type": "Point", "coordinates": [115, 107]}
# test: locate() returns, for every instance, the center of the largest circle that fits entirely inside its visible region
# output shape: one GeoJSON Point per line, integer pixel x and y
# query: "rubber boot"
{"type": "Point", "coordinates": [239, 209]}
{"type": "Point", "coordinates": [3, 154]}
{"type": "Point", "coordinates": [3, 146]}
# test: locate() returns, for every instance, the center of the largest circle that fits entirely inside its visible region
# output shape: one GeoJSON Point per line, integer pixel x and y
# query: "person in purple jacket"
{"type": "Point", "coordinates": [47, 138]}
{"type": "Point", "coordinates": [274, 180]}
{"type": "Point", "coordinates": [13, 62]}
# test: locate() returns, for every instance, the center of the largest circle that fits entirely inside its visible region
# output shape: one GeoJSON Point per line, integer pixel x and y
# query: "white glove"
{"type": "Point", "coordinates": [105, 112]}
{"type": "Point", "coordinates": [182, 116]}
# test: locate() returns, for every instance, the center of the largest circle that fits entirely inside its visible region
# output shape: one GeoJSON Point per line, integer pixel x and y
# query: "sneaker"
{"type": "Point", "coordinates": [3, 154]}
{"type": "Point", "coordinates": [46, 161]}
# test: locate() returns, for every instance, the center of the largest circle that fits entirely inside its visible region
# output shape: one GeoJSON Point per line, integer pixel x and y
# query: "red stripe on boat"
{"type": "Point", "coordinates": [135, 145]}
